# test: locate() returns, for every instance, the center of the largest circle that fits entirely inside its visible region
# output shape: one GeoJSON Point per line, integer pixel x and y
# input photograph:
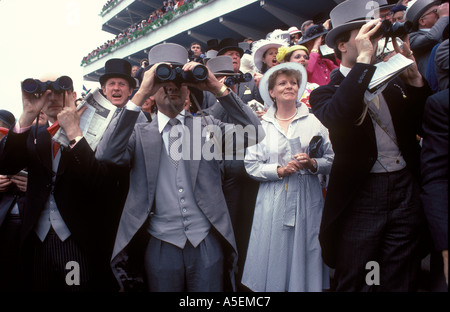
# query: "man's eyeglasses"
{"type": "Point", "coordinates": [431, 12]}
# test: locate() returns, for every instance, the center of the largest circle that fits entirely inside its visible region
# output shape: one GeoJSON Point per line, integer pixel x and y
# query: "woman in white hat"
{"type": "Point", "coordinates": [284, 252]}
{"type": "Point", "coordinates": [265, 51]}
{"type": "Point", "coordinates": [298, 54]}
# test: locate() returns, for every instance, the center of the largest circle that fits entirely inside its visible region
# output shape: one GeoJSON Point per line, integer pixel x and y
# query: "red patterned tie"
{"type": "Point", "coordinates": [56, 147]}
{"type": "Point", "coordinates": [52, 130]}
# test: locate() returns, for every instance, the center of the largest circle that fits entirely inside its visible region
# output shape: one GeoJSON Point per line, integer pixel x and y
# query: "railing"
{"type": "Point", "coordinates": [136, 31]}
{"type": "Point", "coordinates": [107, 7]}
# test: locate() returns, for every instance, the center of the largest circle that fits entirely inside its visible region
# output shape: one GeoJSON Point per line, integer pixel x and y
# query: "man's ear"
{"type": "Point", "coordinates": [421, 23]}
{"type": "Point", "coordinates": [342, 46]}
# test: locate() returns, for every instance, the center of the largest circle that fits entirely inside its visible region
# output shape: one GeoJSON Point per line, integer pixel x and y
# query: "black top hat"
{"type": "Point", "coordinates": [7, 117]}
{"type": "Point", "coordinates": [313, 32]}
{"type": "Point", "coordinates": [229, 44]}
{"type": "Point", "coordinates": [212, 44]}
{"type": "Point", "coordinates": [118, 68]}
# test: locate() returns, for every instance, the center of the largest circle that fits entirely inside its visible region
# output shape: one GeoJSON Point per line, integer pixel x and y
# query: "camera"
{"type": "Point", "coordinates": [256, 106]}
{"type": "Point", "coordinates": [393, 30]}
{"type": "Point", "coordinates": [165, 72]}
{"type": "Point", "coordinates": [63, 83]}
{"type": "Point", "coordinates": [232, 80]}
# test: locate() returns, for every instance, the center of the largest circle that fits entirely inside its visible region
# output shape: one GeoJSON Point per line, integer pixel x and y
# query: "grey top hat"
{"type": "Point", "coordinates": [382, 5]}
{"type": "Point", "coordinates": [209, 55]}
{"type": "Point", "coordinates": [7, 117]}
{"type": "Point", "coordinates": [416, 9]}
{"type": "Point", "coordinates": [168, 53]}
{"type": "Point", "coordinates": [349, 15]}
{"type": "Point", "coordinates": [221, 65]}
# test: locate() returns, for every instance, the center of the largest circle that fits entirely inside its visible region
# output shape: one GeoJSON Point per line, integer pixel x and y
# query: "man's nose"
{"type": "Point", "coordinates": [171, 87]}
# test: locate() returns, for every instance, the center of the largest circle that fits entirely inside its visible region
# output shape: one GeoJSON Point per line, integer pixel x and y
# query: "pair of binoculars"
{"type": "Point", "coordinates": [235, 79]}
{"type": "Point", "coordinates": [393, 30]}
{"type": "Point", "coordinates": [63, 83]}
{"type": "Point", "coordinates": [165, 73]}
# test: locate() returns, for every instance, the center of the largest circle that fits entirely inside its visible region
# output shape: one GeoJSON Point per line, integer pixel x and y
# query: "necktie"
{"type": "Point", "coordinates": [56, 147]}
{"type": "Point", "coordinates": [376, 101]}
{"type": "Point", "coordinates": [117, 112]}
{"type": "Point", "coordinates": [172, 138]}
{"type": "Point", "coordinates": [52, 130]}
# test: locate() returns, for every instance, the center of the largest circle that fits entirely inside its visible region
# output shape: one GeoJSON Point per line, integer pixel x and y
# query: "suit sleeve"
{"type": "Point", "coordinates": [434, 167]}
{"type": "Point", "coordinates": [13, 152]}
{"type": "Point", "coordinates": [342, 105]}
{"type": "Point", "coordinates": [241, 115]}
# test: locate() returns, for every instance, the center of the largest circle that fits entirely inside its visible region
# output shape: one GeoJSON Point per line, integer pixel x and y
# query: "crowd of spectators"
{"type": "Point", "coordinates": [154, 19]}
{"type": "Point", "coordinates": [381, 160]}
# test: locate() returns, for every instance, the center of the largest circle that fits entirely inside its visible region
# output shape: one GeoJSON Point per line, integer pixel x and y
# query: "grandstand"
{"type": "Point", "coordinates": [199, 20]}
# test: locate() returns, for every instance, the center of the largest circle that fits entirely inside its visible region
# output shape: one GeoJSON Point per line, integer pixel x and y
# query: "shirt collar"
{"type": "Point", "coordinates": [164, 119]}
{"type": "Point", "coordinates": [344, 70]}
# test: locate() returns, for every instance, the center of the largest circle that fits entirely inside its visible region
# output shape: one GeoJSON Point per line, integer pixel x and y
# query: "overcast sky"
{"type": "Point", "coordinates": [40, 36]}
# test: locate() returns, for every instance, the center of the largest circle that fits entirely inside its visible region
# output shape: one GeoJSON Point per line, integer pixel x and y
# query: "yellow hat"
{"type": "Point", "coordinates": [282, 51]}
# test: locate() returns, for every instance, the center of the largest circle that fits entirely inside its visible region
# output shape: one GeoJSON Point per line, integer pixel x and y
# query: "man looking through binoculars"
{"type": "Point", "coordinates": [188, 243]}
{"type": "Point", "coordinates": [55, 223]}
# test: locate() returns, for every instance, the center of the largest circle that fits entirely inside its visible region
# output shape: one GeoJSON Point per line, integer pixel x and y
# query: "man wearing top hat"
{"type": "Point", "coordinates": [429, 18]}
{"type": "Point", "coordinates": [118, 84]}
{"type": "Point", "coordinates": [239, 189]}
{"type": "Point", "coordinates": [372, 229]}
{"type": "Point", "coordinates": [175, 232]}
{"type": "Point", "coordinates": [247, 91]}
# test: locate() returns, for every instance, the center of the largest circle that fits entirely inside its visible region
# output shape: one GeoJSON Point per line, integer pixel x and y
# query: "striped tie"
{"type": "Point", "coordinates": [172, 138]}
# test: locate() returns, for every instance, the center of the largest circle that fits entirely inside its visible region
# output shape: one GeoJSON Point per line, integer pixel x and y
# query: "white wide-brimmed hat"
{"type": "Point", "coordinates": [264, 83]}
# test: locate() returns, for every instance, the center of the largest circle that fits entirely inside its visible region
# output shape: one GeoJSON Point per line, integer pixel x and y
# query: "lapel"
{"type": "Point", "coordinates": [43, 147]}
{"type": "Point", "coordinates": [394, 95]}
{"type": "Point", "coordinates": [193, 163]}
{"type": "Point", "coordinates": [151, 142]}
{"type": "Point", "coordinates": [367, 124]}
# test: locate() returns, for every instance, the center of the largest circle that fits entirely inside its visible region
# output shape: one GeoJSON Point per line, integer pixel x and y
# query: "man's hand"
{"type": "Point", "coordinates": [411, 75]}
{"type": "Point", "coordinates": [5, 183]}
{"type": "Point", "coordinates": [211, 83]}
{"type": "Point", "coordinates": [443, 10]}
{"type": "Point", "coordinates": [149, 86]}
{"type": "Point", "coordinates": [69, 118]}
{"type": "Point", "coordinates": [20, 181]}
{"type": "Point", "coordinates": [363, 40]}
{"type": "Point", "coordinates": [32, 105]}
{"type": "Point", "coordinates": [257, 77]}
